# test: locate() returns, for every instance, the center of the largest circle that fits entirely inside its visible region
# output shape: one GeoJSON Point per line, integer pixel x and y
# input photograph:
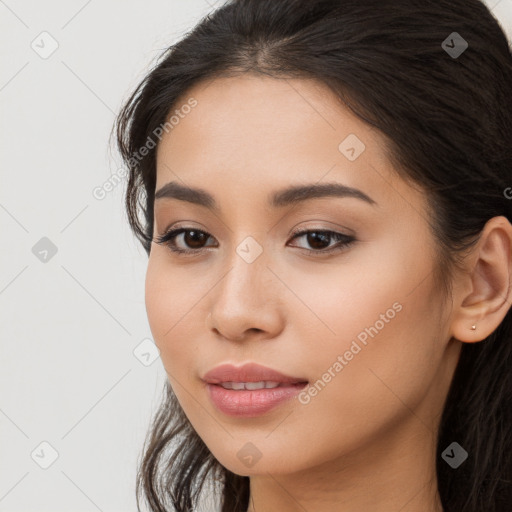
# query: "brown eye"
{"type": "Point", "coordinates": [192, 238]}
{"type": "Point", "coordinates": [320, 240]}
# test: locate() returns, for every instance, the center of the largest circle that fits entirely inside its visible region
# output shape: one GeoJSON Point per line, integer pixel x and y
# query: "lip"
{"type": "Point", "coordinates": [250, 403]}
{"type": "Point", "coordinates": [249, 372]}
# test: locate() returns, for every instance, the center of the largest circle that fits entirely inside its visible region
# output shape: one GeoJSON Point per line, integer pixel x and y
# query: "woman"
{"type": "Point", "coordinates": [325, 189]}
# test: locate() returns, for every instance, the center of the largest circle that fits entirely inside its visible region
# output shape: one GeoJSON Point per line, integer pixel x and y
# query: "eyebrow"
{"type": "Point", "coordinates": [281, 198]}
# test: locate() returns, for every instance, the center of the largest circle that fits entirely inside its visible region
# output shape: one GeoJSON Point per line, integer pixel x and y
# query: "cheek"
{"type": "Point", "coordinates": [371, 374]}
{"type": "Point", "coordinates": [366, 291]}
{"type": "Point", "coordinates": [168, 302]}
{"type": "Point", "coordinates": [158, 300]}
{"type": "Point", "coordinates": [379, 315]}
{"type": "Point", "coordinates": [169, 310]}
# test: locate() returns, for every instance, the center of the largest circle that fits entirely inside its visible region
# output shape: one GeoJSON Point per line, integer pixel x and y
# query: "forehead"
{"type": "Point", "coordinates": [266, 133]}
{"type": "Point", "coordinates": [249, 113]}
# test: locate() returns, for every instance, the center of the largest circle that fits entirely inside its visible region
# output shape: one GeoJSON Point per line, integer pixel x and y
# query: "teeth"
{"type": "Point", "coordinates": [250, 385]}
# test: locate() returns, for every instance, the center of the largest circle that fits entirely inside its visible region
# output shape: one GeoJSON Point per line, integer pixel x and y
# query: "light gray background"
{"type": "Point", "coordinates": [69, 326]}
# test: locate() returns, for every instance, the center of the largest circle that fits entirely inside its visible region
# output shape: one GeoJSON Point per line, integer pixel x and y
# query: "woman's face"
{"type": "Point", "coordinates": [359, 322]}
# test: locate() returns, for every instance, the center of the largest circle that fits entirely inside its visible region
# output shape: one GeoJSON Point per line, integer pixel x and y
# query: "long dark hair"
{"type": "Point", "coordinates": [447, 120]}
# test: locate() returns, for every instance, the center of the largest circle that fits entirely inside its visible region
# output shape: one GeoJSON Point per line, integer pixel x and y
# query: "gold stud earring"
{"type": "Point", "coordinates": [473, 327]}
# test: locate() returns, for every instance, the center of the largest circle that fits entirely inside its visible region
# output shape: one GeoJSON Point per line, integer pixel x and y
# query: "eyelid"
{"type": "Point", "coordinates": [327, 226]}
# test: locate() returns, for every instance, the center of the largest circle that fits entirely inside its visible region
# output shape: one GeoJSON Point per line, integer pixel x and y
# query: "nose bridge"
{"type": "Point", "coordinates": [247, 265]}
{"type": "Point", "coordinates": [245, 298]}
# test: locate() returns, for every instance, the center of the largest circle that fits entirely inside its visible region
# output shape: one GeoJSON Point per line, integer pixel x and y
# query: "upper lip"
{"type": "Point", "coordinates": [249, 372]}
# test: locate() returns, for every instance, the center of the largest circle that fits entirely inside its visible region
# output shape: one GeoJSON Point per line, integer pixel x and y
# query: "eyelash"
{"type": "Point", "coordinates": [168, 239]}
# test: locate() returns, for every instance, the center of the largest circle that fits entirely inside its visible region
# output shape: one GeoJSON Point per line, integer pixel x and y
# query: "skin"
{"type": "Point", "coordinates": [366, 441]}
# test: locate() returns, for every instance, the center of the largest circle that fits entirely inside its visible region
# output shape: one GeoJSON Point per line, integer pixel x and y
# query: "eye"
{"type": "Point", "coordinates": [170, 238]}
{"type": "Point", "coordinates": [194, 239]}
{"type": "Point", "coordinates": [320, 239]}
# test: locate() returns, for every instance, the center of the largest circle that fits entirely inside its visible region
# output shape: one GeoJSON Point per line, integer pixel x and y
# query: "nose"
{"type": "Point", "coordinates": [247, 302]}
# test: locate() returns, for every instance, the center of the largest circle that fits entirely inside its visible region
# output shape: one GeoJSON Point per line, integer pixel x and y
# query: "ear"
{"type": "Point", "coordinates": [483, 295]}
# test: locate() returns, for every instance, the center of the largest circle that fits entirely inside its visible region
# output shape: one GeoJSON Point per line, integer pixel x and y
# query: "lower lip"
{"type": "Point", "coordinates": [250, 403]}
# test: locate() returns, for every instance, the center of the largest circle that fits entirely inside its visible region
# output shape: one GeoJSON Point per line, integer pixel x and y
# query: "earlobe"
{"type": "Point", "coordinates": [484, 295]}
{"type": "Point", "coordinates": [470, 333]}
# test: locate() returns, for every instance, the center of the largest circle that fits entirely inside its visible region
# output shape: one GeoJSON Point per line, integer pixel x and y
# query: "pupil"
{"type": "Point", "coordinates": [195, 234]}
{"type": "Point", "coordinates": [313, 239]}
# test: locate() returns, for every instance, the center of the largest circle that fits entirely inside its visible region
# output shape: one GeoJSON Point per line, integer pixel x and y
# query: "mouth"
{"type": "Point", "coordinates": [252, 386]}
{"type": "Point", "coordinates": [250, 376]}
{"type": "Point", "coordinates": [252, 399]}
{"type": "Point", "coordinates": [250, 390]}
